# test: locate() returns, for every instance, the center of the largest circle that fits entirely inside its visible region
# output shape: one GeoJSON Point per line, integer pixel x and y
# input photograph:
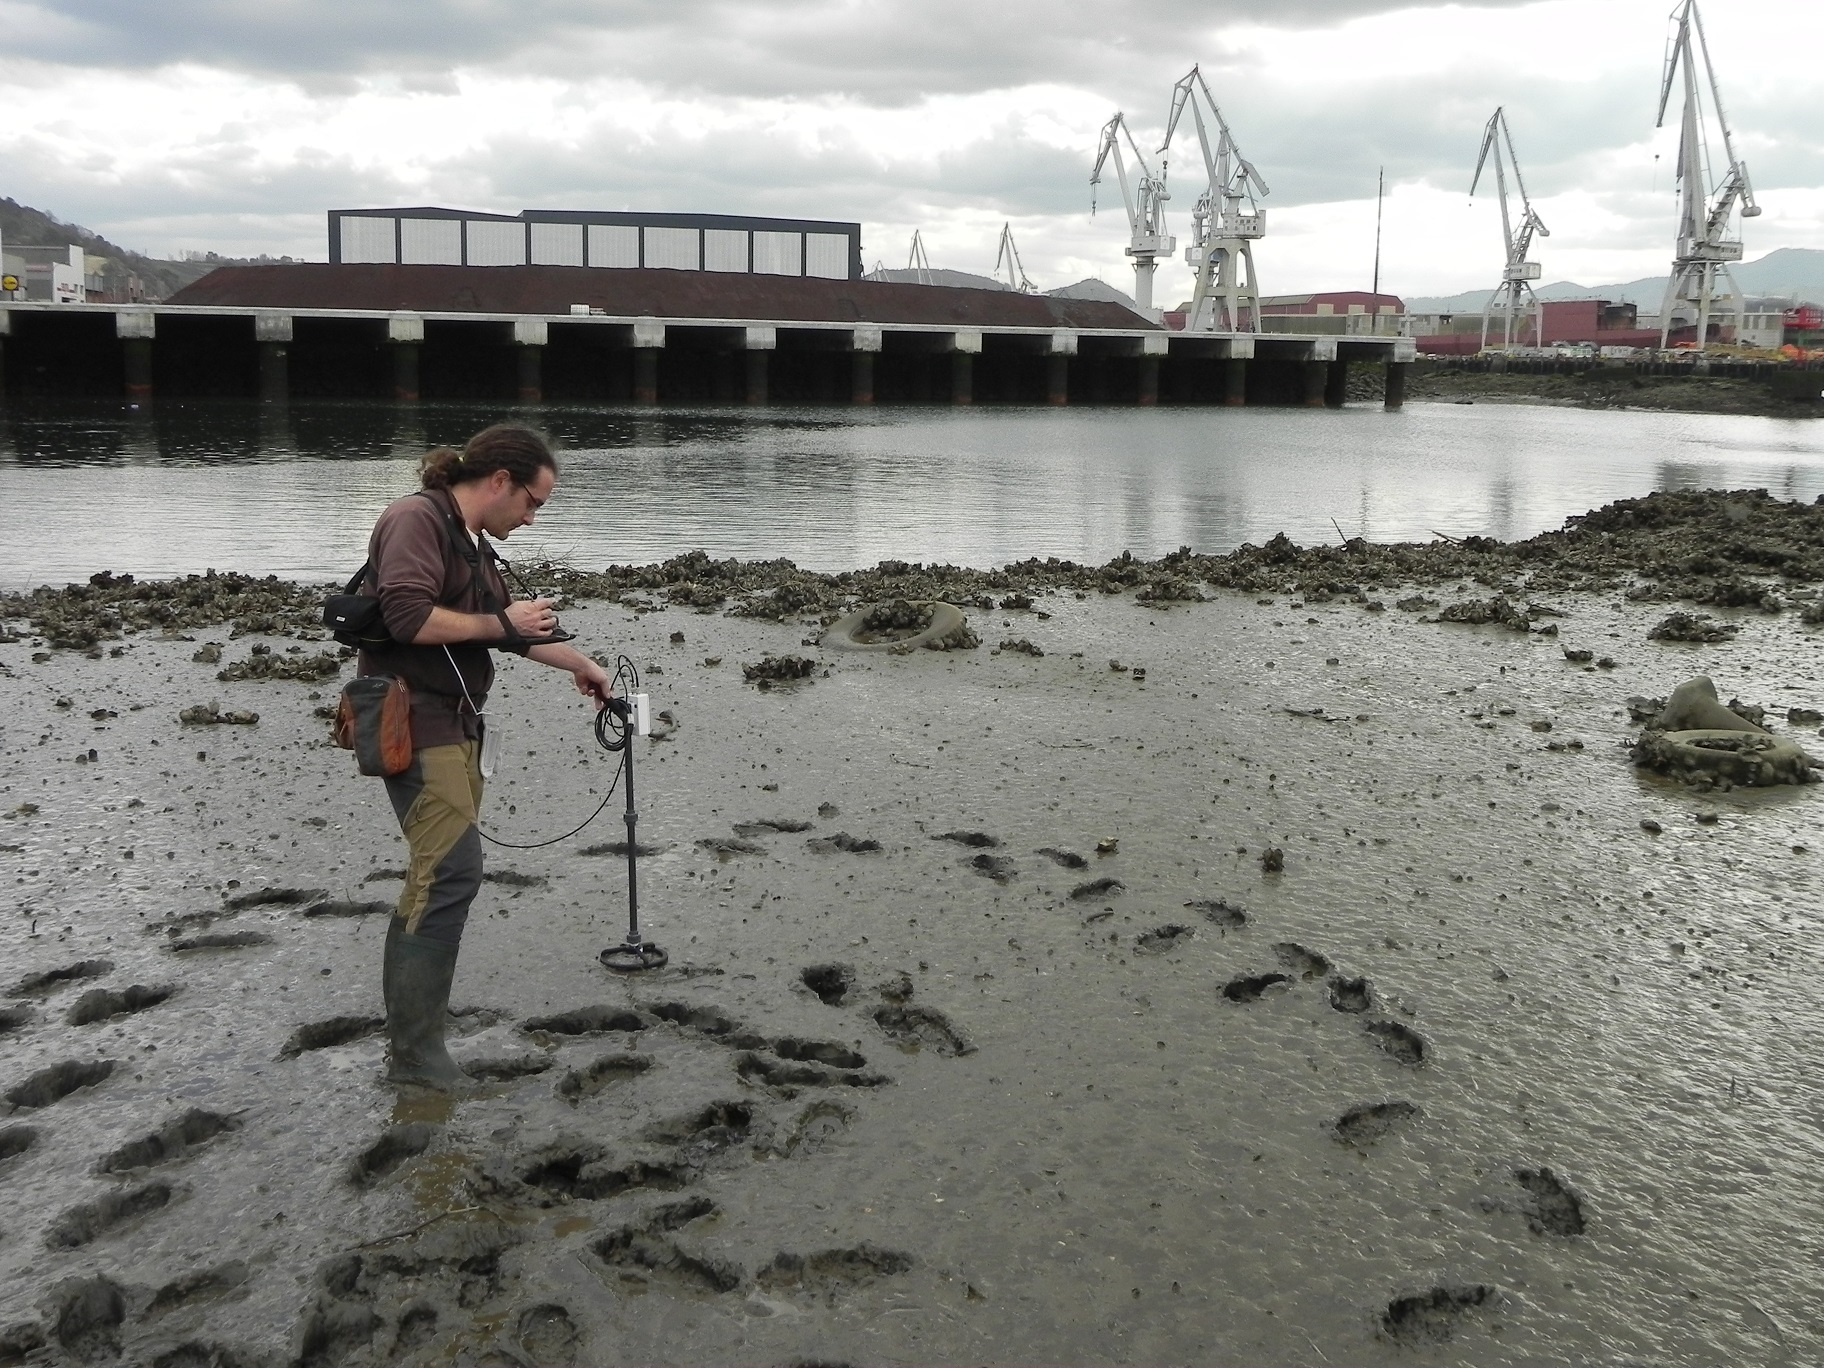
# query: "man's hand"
{"type": "Point", "coordinates": [594, 682]}
{"type": "Point", "coordinates": [533, 618]}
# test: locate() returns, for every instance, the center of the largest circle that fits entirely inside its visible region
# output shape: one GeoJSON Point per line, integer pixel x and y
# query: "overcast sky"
{"type": "Point", "coordinates": [225, 125]}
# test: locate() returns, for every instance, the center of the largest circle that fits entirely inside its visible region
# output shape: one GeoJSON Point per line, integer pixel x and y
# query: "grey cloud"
{"type": "Point", "coordinates": [884, 51]}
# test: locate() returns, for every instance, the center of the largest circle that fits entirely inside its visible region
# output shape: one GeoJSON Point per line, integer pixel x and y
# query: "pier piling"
{"type": "Point", "coordinates": [1395, 396]}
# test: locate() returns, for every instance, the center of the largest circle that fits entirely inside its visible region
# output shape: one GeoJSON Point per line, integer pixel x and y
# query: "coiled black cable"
{"type": "Point", "coordinates": [613, 733]}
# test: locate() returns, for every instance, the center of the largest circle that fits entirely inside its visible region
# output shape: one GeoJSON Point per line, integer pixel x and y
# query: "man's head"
{"type": "Point", "coordinates": [501, 478]}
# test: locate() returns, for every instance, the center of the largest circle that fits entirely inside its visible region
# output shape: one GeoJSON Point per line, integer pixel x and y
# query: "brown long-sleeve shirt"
{"type": "Point", "coordinates": [418, 562]}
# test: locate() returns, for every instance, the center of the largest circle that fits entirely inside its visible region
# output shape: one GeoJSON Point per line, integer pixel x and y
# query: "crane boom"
{"type": "Point", "coordinates": [1703, 247]}
{"type": "Point", "coordinates": [1226, 297]}
{"type": "Point", "coordinates": [1517, 274]}
{"type": "Point", "coordinates": [1145, 205]}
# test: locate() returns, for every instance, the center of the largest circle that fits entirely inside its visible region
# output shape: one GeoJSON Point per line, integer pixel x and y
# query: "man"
{"type": "Point", "coordinates": [446, 607]}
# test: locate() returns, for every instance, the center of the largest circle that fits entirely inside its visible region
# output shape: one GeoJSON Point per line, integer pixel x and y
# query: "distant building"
{"type": "Point", "coordinates": [553, 237]}
{"type": "Point", "coordinates": [48, 274]}
{"type": "Point", "coordinates": [1342, 312]}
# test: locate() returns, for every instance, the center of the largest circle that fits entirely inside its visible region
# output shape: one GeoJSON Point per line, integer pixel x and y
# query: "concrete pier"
{"type": "Point", "coordinates": [1395, 396]}
{"type": "Point", "coordinates": [581, 355]}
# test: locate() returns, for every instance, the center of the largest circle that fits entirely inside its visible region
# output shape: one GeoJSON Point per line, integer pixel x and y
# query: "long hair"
{"type": "Point", "coordinates": [519, 451]}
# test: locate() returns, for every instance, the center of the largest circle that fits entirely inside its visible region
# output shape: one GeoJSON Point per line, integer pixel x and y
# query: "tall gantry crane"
{"type": "Point", "coordinates": [1145, 204]}
{"type": "Point", "coordinates": [1222, 230]}
{"type": "Point", "coordinates": [1704, 247]}
{"type": "Point", "coordinates": [1519, 273]}
{"type": "Point", "coordinates": [917, 262]}
{"type": "Point", "coordinates": [1009, 256]}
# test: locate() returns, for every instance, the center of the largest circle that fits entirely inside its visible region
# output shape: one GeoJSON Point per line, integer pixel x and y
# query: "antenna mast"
{"type": "Point", "coordinates": [1703, 246]}
{"type": "Point", "coordinates": [1518, 274]}
{"type": "Point", "coordinates": [1226, 297]}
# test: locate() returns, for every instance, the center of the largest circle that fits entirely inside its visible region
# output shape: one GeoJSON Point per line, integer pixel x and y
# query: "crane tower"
{"type": "Point", "coordinates": [1518, 275]}
{"type": "Point", "coordinates": [1226, 297]}
{"type": "Point", "coordinates": [1704, 247]}
{"type": "Point", "coordinates": [1009, 256]}
{"type": "Point", "coordinates": [1145, 204]}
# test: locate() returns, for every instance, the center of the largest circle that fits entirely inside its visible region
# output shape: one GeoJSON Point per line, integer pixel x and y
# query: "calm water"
{"type": "Point", "coordinates": [192, 486]}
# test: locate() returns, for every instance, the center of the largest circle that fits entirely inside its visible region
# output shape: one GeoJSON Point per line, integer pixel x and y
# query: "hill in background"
{"type": "Point", "coordinates": [23, 226]}
{"type": "Point", "coordinates": [1795, 271]}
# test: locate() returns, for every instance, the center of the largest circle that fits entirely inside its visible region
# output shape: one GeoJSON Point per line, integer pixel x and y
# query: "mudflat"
{"type": "Point", "coordinates": [1287, 966]}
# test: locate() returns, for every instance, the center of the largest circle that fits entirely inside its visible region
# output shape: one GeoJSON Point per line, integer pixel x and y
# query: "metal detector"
{"type": "Point", "coordinates": [633, 955]}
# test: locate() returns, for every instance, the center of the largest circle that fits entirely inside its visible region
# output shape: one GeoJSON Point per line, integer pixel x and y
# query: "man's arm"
{"type": "Point", "coordinates": [447, 627]}
{"type": "Point", "coordinates": [591, 679]}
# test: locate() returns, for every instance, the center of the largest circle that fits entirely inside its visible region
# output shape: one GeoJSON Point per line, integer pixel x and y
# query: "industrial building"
{"type": "Point", "coordinates": [619, 241]}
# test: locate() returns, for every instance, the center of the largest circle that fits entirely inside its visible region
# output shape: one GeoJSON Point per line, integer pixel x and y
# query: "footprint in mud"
{"type": "Point", "coordinates": [1162, 938]}
{"type": "Point", "coordinates": [1431, 1317]}
{"type": "Point", "coordinates": [728, 845]}
{"type": "Point", "coordinates": [343, 907]}
{"type": "Point", "coordinates": [323, 1035]}
{"type": "Point", "coordinates": [212, 1284]}
{"type": "Point", "coordinates": [768, 826]}
{"type": "Point", "coordinates": [506, 1068]}
{"type": "Point", "coordinates": [59, 1081]}
{"type": "Point", "coordinates": [1555, 1209]}
{"type": "Point", "coordinates": [921, 1028]}
{"type": "Point", "coordinates": [818, 1052]}
{"type": "Point", "coordinates": [383, 876]}
{"type": "Point", "coordinates": [1404, 1044]}
{"type": "Point", "coordinates": [586, 1171]}
{"type": "Point", "coordinates": [788, 1077]}
{"type": "Point", "coordinates": [275, 897]}
{"type": "Point", "coordinates": [813, 1128]}
{"type": "Point", "coordinates": [996, 867]}
{"type": "Point", "coordinates": [1249, 987]}
{"type": "Point", "coordinates": [600, 1075]}
{"type": "Point", "coordinates": [1096, 888]}
{"type": "Point", "coordinates": [84, 1224]}
{"type": "Point", "coordinates": [417, 1328]}
{"type": "Point", "coordinates": [645, 1255]}
{"type": "Point", "coordinates": [830, 982]}
{"type": "Point", "coordinates": [826, 1275]}
{"type": "Point", "coordinates": [579, 1021]}
{"type": "Point", "coordinates": [979, 839]}
{"type": "Point", "coordinates": [547, 1336]}
{"type": "Point", "coordinates": [86, 1316]}
{"type": "Point", "coordinates": [181, 922]}
{"type": "Point", "coordinates": [704, 1132]}
{"type": "Point", "coordinates": [618, 849]}
{"type": "Point", "coordinates": [707, 1020]}
{"type": "Point", "coordinates": [51, 979]}
{"type": "Point", "coordinates": [1300, 962]}
{"type": "Point", "coordinates": [103, 1004]}
{"type": "Point", "coordinates": [12, 1018]}
{"type": "Point", "coordinates": [16, 1140]}
{"type": "Point", "coordinates": [1225, 915]}
{"type": "Point", "coordinates": [851, 845]}
{"type": "Point", "coordinates": [218, 940]}
{"type": "Point", "coordinates": [395, 1145]}
{"type": "Point", "coordinates": [1362, 1126]}
{"type": "Point", "coordinates": [512, 878]}
{"type": "Point", "coordinates": [1068, 858]}
{"type": "Point", "coordinates": [170, 1142]}
{"type": "Point", "coordinates": [1351, 994]}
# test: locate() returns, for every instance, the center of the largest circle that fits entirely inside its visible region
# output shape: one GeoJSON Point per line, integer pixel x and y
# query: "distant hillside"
{"type": "Point", "coordinates": [1091, 288]}
{"type": "Point", "coordinates": [956, 280]}
{"type": "Point", "coordinates": [23, 226]}
{"type": "Point", "coordinates": [1788, 271]}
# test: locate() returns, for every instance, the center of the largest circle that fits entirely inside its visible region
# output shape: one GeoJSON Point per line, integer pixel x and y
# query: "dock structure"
{"type": "Point", "coordinates": [536, 334]}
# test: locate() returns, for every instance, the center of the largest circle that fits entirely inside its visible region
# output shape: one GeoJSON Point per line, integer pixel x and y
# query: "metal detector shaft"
{"type": "Point", "coordinates": [632, 818]}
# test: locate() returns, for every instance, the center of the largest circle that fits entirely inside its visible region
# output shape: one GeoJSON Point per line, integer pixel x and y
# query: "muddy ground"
{"type": "Point", "coordinates": [1605, 387]}
{"type": "Point", "coordinates": [990, 1032]}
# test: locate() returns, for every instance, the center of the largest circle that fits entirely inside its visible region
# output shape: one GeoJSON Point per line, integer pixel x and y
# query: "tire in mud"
{"type": "Point", "coordinates": [851, 633]}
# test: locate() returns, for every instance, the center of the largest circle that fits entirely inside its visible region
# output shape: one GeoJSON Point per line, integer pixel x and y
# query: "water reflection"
{"type": "Point", "coordinates": [292, 489]}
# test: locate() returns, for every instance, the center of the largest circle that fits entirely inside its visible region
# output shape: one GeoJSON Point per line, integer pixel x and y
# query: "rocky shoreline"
{"type": "Point", "coordinates": [1273, 957]}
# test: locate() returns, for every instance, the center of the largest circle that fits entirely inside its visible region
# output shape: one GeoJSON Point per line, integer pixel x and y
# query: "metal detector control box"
{"type": "Point", "coordinates": [642, 714]}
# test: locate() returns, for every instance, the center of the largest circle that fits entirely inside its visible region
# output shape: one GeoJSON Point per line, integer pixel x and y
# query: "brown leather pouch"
{"type": "Point", "coordinates": [374, 720]}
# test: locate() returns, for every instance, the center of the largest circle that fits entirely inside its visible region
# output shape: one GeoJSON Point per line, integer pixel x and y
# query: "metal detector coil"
{"type": "Point", "coordinates": [627, 717]}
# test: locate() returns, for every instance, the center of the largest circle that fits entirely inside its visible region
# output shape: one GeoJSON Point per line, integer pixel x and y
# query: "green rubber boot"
{"type": "Point", "coordinates": [415, 981]}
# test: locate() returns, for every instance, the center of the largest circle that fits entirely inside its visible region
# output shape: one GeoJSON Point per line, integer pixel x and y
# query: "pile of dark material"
{"type": "Point", "coordinates": [1729, 548]}
{"type": "Point", "coordinates": [777, 670]}
{"type": "Point", "coordinates": [1736, 548]}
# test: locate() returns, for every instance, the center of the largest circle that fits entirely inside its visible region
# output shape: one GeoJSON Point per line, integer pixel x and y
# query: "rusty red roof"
{"type": "Point", "coordinates": [640, 293]}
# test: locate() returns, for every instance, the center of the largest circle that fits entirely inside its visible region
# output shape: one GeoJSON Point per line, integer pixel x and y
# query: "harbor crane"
{"type": "Point", "coordinates": [1145, 204]}
{"type": "Point", "coordinates": [1009, 255]}
{"type": "Point", "coordinates": [1518, 275]}
{"type": "Point", "coordinates": [1222, 230]}
{"type": "Point", "coordinates": [917, 262]}
{"type": "Point", "coordinates": [1704, 247]}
